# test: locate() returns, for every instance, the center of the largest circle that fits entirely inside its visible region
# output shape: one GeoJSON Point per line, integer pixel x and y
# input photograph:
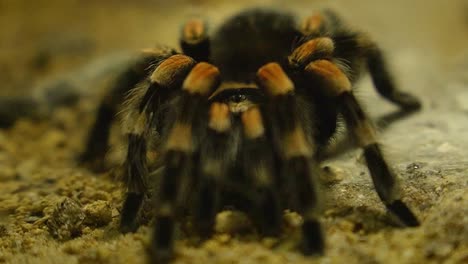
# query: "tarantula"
{"type": "Point", "coordinates": [240, 117]}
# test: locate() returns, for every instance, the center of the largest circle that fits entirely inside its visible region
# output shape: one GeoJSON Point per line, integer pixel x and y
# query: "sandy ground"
{"type": "Point", "coordinates": [53, 211]}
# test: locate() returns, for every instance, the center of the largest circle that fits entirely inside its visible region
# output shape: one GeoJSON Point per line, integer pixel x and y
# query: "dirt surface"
{"type": "Point", "coordinates": [53, 211]}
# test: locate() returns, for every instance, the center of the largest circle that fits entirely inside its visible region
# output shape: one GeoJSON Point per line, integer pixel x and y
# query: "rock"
{"type": "Point", "coordinates": [54, 138]}
{"type": "Point", "coordinates": [231, 222]}
{"type": "Point", "coordinates": [3, 231]}
{"type": "Point", "coordinates": [331, 175]}
{"type": "Point", "coordinates": [98, 213]}
{"type": "Point", "coordinates": [66, 220]}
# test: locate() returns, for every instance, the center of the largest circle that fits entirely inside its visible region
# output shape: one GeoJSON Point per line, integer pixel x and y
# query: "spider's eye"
{"type": "Point", "coordinates": [237, 98]}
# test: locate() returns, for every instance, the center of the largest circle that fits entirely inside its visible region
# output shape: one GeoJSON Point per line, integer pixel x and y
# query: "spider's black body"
{"type": "Point", "coordinates": [246, 41]}
{"type": "Point", "coordinates": [251, 39]}
{"type": "Point", "coordinates": [240, 118]}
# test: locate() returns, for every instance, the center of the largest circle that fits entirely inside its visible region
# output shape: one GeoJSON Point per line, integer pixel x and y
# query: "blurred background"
{"type": "Point", "coordinates": [40, 39]}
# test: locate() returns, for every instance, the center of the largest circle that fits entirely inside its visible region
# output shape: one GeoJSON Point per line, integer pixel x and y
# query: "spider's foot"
{"type": "Point", "coordinates": [267, 214]}
{"type": "Point", "coordinates": [161, 250]}
{"type": "Point", "coordinates": [407, 101]}
{"type": "Point", "coordinates": [92, 161]}
{"type": "Point", "coordinates": [128, 220]}
{"type": "Point", "coordinates": [128, 227]}
{"type": "Point", "coordinates": [160, 257]}
{"type": "Point", "coordinates": [313, 241]}
{"type": "Point", "coordinates": [403, 213]}
{"type": "Point", "coordinates": [206, 208]}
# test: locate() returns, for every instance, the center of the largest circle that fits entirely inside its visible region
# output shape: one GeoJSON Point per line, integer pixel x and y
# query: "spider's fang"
{"type": "Point", "coordinates": [313, 242]}
{"type": "Point", "coordinates": [203, 78]}
{"type": "Point", "coordinates": [171, 69]}
{"type": "Point", "coordinates": [303, 54]}
{"type": "Point", "coordinates": [336, 80]}
{"type": "Point", "coordinates": [253, 124]}
{"type": "Point", "coordinates": [274, 80]}
{"type": "Point", "coordinates": [219, 117]}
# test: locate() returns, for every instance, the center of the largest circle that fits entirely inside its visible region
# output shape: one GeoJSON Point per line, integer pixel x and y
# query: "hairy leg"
{"type": "Point", "coordinates": [142, 109]}
{"type": "Point", "coordinates": [299, 172]}
{"type": "Point", "coordinates": [98, 136]}
{"type": "Point", "coordinates": [336, 83]}
{"type": "Point", "coordinates": [194, 39]}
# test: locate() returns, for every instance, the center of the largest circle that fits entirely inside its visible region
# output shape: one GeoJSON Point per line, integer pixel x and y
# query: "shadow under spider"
{"type": "Point", "coordinates": [345, 143]}
{"type": "Point", "coordinates": [386, 120]}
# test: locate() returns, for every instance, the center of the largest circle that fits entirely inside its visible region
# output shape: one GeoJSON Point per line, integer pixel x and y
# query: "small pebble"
{"type": "Point", "coordinates": [54, 138]}
{"type": "Point", "coordinates": [231, 222]}
{"type": "Point", "coordinates": [332, 175]}
{"type": "Point", "coordinates": [446, 148]}
{"type": "Point", "coordinates": [66, 220]}
{"type": "Point", "coordinates": [98, 213]}
{"type": "Point", "coordinates": [3, 231]}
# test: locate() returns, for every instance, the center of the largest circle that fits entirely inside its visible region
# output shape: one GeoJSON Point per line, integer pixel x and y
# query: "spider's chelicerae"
{"type": "Point", "coordinates": [239, 118]}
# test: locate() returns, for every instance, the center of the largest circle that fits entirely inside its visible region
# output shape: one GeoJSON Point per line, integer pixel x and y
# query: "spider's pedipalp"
{"type": "Point", "coordinates": [215, 158]}
{"type": "Point", "coordinates": [219, 118]}
{"type": "Point", "coordinates": [258, 166]}
{"type": "Point", "coordinates": [253, 124]}
{"type": "Point", "coordinates": [181, 150]}
{"type": "Point", "coordinates": [298, 170]}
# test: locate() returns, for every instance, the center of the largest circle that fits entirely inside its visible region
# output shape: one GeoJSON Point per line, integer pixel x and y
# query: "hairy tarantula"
{"type": "Point", "coordinates": [239, 119]}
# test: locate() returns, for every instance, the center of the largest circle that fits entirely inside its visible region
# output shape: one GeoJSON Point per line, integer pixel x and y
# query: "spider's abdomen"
{"type": "Point", "coordinates": [250, 39]}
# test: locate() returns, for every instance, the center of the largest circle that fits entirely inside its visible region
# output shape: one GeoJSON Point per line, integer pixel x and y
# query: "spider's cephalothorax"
{"type": "Point", "coordinates": [239, 119]}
